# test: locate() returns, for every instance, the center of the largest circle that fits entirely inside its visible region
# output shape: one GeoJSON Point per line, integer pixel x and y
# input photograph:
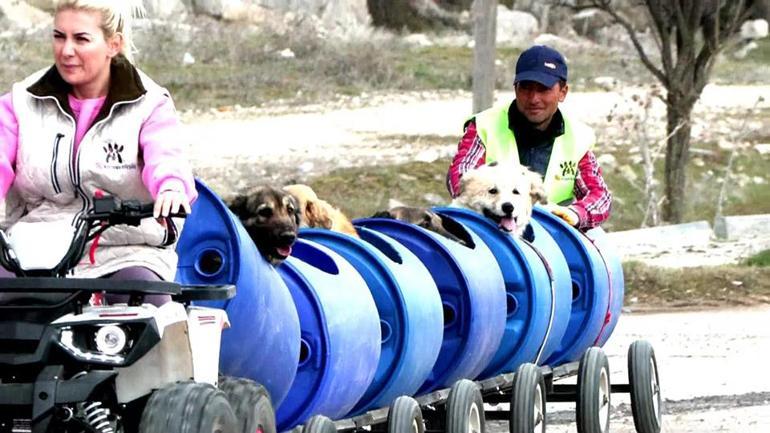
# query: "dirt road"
{"type": "Point", "coordinates": [712, 366]}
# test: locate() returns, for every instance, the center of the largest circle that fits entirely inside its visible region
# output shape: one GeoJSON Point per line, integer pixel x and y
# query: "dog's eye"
{"type": "Point", "coordinates": [493, 190]}
{"type": "Point", "coordinates": [265, 212]}
{"type": "Point", "coordinates": [290, 208]}
{"type": "Point", "coordinates": [515, 191]}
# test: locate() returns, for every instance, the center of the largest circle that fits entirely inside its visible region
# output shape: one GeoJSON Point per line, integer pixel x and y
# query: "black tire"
{"type": "Point", "coordinates": [319, 424]}
{"type": "Point", "coordinates": [251, 404]}
{"type": "Point", "coordinates": [645, 387]}
{"type": "Point", "coordinates": [593, 399]}
{"type": "Point", "coordinates": [405, 416]}
{"type": "Point", "coordinates": [527, 413]}
{"type": "Point", "coordinates": [188, 407]}
{"type": "Point", "coordinates": [465, 408]}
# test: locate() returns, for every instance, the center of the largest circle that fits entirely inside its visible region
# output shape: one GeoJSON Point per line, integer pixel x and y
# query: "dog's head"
{"type": "Point", "coordinates": [271, 218]}
{"type": "Point", "coordinates": [504, 193]}
{"type": "Point", "coordinates": [314, 211]}
{"type": "Point", "coordinates": [428, 220]}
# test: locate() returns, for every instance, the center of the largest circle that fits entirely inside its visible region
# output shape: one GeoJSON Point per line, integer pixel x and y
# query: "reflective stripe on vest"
{"type": "Point", "coordinates": [568, 149]}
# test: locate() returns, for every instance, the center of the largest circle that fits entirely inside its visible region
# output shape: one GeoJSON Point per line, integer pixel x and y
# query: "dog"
{"type": "Point", "coordinates": [271, 217]}
{"type": "Point", "coordinates": [504, 193]}
{"type": "Point", "coordinates": [428, 220]}
{"type": "Point", "coordinates": [319, 213]}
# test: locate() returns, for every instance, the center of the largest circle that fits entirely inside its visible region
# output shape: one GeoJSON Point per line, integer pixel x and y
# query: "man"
{"type": "Point", "coordinates": [532, 131]}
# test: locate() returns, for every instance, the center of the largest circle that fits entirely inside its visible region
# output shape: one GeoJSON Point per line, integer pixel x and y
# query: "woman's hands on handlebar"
{"type": "Point", "coordinates": [170, 202]}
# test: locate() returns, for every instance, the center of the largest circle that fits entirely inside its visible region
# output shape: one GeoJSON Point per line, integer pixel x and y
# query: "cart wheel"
{"type": "Point", "coordinates": [527, 413]}
{"type": "Point", "coordinates": [405, 416]}
{"type": "Point", "coordinates": [319, 424]}
{"type": "Point", "coordinates": [465, 408]}
{"type": "Point", "coordinates": [251, 403]}
{"type": "Point", "coordinates": [645, 388]}
{"type": "Point", "coordinates": [593, 399]}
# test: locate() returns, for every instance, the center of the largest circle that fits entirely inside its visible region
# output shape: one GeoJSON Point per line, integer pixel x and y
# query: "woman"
{"type": "Point", "coordinates": [93, 122]}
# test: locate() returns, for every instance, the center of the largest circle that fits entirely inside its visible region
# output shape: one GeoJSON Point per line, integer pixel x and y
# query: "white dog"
{"type": "Point", "coordinates": [503, 192]}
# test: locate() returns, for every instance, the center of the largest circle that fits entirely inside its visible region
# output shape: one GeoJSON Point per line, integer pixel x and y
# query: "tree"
{"type": "Point", "coordinates": [690, 35]}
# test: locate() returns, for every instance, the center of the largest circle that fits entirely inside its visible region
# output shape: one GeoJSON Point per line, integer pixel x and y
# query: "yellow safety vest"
{"type": "Point", "coordinates": [568, 149]}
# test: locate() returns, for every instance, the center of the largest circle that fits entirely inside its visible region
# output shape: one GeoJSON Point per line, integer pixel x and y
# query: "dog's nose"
{"type": "Point", "coordinates": [508, 208]}
{"type": "Point", "coordinates": [287, 237]}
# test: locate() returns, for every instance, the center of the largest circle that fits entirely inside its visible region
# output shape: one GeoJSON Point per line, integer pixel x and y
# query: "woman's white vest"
{"type": "Point", "coordinates": [51, 185]}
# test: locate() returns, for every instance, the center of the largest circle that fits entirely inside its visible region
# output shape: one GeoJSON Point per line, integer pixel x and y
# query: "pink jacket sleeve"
{"type": "Point", "coordinates": [9, 133]}
{"type": "Point", "coordinates": [165, 163]}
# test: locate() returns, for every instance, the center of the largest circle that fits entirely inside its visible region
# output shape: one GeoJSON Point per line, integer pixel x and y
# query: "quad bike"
{"type": "Point", "coordinates": [70, 363]}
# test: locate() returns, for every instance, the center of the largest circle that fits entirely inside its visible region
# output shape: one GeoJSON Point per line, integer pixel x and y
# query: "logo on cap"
{"type": "Point", "coordinates": [549, 65]}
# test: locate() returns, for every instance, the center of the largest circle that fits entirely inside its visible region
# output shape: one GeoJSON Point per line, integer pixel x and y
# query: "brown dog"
{"type": "Point", "coordinates": [319, 213]}
{"type": "Point", "coordinates": [271, 217]}
{"type": "Point", "coordinates": [428, 220]}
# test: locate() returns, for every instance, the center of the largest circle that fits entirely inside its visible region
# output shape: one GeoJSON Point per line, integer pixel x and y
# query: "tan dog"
{"type": "Point", "coordinates": [319, 213]}
{"type": "Point", "coordinates": [503, 192]}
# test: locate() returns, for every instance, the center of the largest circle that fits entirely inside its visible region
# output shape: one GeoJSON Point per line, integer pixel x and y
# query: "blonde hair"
{"type": "Point", "coordinates": [117, 17]}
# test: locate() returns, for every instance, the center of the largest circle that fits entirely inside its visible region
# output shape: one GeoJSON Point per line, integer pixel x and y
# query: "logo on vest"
{"type": "Point", "coordinates": [113, 152]}
{"type": "Point", "coordinates": [113, 157]}
{"type": "Point", "coordinates": [568, 170]}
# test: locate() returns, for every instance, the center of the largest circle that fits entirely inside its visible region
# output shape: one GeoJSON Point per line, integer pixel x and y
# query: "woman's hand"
{"type": "Point", "coordinates": [169, 202]}
{"type": "Point", "coordinates": [565, 213]}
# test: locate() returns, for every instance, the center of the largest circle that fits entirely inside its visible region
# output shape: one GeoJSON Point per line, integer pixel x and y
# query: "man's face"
{"type": "Point", "coordinates": [539, 103]}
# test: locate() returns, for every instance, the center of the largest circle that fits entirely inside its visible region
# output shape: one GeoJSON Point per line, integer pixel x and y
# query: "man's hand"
{"type": "Point", "coordinates": [565, 213]}
{"type": "Point", "coordinates": [169, 202]}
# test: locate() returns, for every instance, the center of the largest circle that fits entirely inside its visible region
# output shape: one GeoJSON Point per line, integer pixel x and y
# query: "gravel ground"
{"type": "Point", "coordinates": [711, 366]}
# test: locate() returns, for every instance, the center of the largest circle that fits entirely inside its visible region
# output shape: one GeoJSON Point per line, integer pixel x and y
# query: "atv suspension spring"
{"type": "Point", "coordinates": [98, 417]}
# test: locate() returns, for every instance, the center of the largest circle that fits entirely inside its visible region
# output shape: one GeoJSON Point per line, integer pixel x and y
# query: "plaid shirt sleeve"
{"type": "Point", "coordinates": [470, 154]}
{"type": "Point", "coordinates": [593, 200]}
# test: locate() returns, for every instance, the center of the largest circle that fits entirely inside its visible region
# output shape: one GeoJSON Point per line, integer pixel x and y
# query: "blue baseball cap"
{"type": "Point", "coordinates": [541, 64]}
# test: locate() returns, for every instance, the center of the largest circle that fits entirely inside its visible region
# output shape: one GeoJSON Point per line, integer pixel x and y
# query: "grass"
{"type": "Point", "coordinates": [696, 287]}
{"type": "Point", "coordinates": [761, 259]}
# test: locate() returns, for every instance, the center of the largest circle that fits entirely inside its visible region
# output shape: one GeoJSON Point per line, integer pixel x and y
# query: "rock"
{"type": "Point", "coordinates": [188, 59]}
{"type": "Point", "coordinates": [741, 227]}
{"type": "Point", "coordinates": [515, 28]}
{"type": "Point", "coordinates": [286, 53]}
{"type": "Point", "coordinates": [754, 29]}
{"type": "Point", "coordinates": [763, 148]}
{"type": "Point", "coordinates": [20, 15]}
{"type": "Point", "coordinates": [607, 161]}
{"type": "Point", "coordinates": [418, 40]}
{"type": "Point", "coordinates": [607, 83]}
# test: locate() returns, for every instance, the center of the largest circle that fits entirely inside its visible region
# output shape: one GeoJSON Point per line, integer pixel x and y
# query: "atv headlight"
{"type": "Point", "coordinates": [115, 343]}
{"type": "Point", "coordinates": [110, 340]}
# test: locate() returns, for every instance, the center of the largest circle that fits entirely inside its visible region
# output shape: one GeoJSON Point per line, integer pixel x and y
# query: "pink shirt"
{"type": "Point", "coordinates": [164, 164]}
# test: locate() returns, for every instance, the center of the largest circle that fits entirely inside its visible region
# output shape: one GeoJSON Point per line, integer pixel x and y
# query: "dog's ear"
{"type": "Point", "coordinates": [537, 190]}
{"type": "Point", "coordinates": [238, 205]}
{"type": "Point", "coordinates": [383, 214]}
{"type": "Point", "coordinates": [316, 217]}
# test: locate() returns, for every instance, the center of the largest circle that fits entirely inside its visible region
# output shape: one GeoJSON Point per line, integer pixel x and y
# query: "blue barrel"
{"type": "Point", "coordinates": [409, 306]}
{"type": "Point", "coordinates": [340, 343]}
{"type": "Point", "coordinates": [617, 285]}
{"type": "Point", "coordinates": [538, 307]}
{"type": "Point", "coordinates": [263, 341]}
{"type": "Point", "coordinates": [472, 293]}
{"type": "Point", "coordinates": [590, 287]}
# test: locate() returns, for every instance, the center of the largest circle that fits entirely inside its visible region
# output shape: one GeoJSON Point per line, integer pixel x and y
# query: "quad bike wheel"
{"type": "Point", "coordinates": [405, 416]}
{"type": "Point", "coordinates": [188, 407]}
{"type": "Point", "coordinates": [251, 404]}
{"type": "Point", "coordinates": [527, 413]}
{"type": "Point", "coordinates": [465, 408]}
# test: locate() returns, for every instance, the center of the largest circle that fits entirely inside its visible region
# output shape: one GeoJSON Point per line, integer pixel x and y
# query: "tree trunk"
{"type": "Point", "coordinates": [485, 31]}
{"type": "Point", "coordinates": [677, 156]}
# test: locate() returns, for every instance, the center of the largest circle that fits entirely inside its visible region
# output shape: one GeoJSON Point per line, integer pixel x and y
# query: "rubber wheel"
{"type": "Point", "coordinates": [593, 399]}
{"type": "Point", "coordinates": [188, 407]}
{"type": "Point", "coordinates": [645, 387]}
{"type": "Point", "coordinates": [319, 424]}
{"type": "Point", "coordinates": [251, 404]}
{"type": "Point", "coordinates": [465, 408]}
{"type": "Point", "coordinates": [405, 416]}
{"type": "Point", "coordinates": [527, 413]}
